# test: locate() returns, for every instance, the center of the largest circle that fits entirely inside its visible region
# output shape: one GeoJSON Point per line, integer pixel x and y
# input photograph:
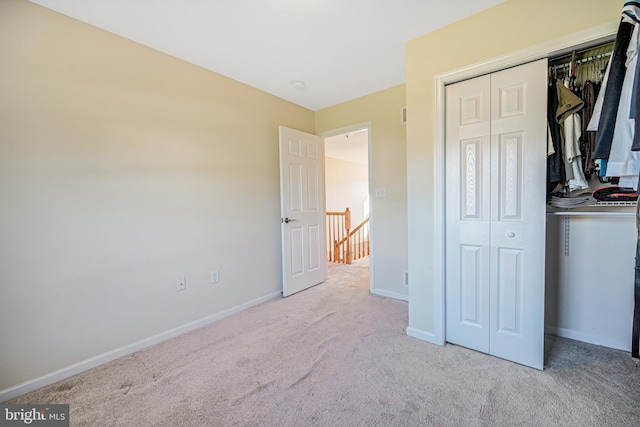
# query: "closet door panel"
{"type": "Point", "coordinates": [510, 180]}
{"type": "Point", "coordinates": [518, 149]}
{"type": "Point", "coordinates": [509, 292]}
{"type": "Point", "coordinates": [471, 273]}
{"type": "Point", "coordinates": [467, 213]}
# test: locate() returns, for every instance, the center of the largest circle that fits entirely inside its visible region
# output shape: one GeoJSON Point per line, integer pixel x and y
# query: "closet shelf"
{"type": "Point", "coordinates": [594, 210]}
{"type": "Point", "coordinates": [593, 213]}
{"type": "Point", "coordinates": [616, 204]}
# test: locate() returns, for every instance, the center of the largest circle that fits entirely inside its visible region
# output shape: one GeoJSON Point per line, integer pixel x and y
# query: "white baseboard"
{"type": "Point", "coordinates": [389, 294]}
{"type": "Point", "coordinates": [422, 335]}
{"type": "Point", "coordinates": [101, 359]}
{"type": "Point", "coordinates": [591, 339]}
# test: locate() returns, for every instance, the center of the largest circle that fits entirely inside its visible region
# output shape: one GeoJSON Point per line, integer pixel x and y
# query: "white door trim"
{"type": "Point", "coordinates": [548, 49]}
{"type": "Point", "coordinates": [353, 128]}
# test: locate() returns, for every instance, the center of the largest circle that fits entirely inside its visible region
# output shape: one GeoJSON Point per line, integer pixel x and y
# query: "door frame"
{"type": "Point", "coordinates": [548, 49]}
{"type": "Point", "coordinates": [348, 129]}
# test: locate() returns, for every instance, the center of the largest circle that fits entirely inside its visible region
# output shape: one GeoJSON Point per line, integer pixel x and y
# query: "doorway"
{"type": "Point", "coordinates": [347, 185]}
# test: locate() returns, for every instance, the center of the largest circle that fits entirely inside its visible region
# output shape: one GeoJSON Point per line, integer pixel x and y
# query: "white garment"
{"type": "Point", "coordinates": [597, 108]}
{"type": "Point", "coordinates": [628, 181]}
{"type": "Point", "coordinates": [594, 121]}
{"type": "Point", "coordinates": [622, 161]}
{"type": "Point", "coordinates": [572, 132]}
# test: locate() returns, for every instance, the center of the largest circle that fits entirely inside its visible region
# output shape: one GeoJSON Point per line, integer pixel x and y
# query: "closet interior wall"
{"type": "Point", "coordinates": [590, 250]}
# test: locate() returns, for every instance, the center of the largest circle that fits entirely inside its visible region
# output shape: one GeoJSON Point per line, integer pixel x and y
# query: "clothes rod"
{"type": "Point", "coordinates": [604, 48]}
{"type": "Point", "coordinates": [581, 61]}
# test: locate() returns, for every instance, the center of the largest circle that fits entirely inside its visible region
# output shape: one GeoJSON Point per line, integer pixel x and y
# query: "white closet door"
{"type": "Point", "coordinates": [467, 231]}
{"type": "Point", "coordinates": [495, 213]}
{"type": "Point", "coordinates": [518, 212]}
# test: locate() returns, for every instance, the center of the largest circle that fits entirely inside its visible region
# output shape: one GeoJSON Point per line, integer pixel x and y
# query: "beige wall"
{"type": "Point", "coordinates": [346, 186]}
{"type": "Point", "coordinates": [388, 163]}
{"type": "Point", "coordinates": [122, 169]}
{"type": "Point", "coordinates": [503, 29]}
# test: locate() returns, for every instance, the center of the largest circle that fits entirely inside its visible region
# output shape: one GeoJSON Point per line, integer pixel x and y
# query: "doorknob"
{"type": "Point", "coordinates": [288, 220]}
{"type": "Point", "coordinates": [511, 234]}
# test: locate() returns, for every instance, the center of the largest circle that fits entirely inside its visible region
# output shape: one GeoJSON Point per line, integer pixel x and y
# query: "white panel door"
{"type": "Point", "coordinates": [495, 213]}
{"type": "Point", "coordinates": [467, 206]}
{"type": "Point", "coordinates": [302, 210]}
{"type": "Point", "coordinates": [518, 212]}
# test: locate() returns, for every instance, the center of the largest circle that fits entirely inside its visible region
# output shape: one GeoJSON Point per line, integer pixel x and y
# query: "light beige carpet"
{"type": "Point", "coordinates": [335, 355]}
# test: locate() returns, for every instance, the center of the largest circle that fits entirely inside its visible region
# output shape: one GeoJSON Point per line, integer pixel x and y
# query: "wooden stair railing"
{"type": "Point", "coordinates": [355, 243]}
{"type": "Point", "coordinates": [338, 226]}
{"type": "Point", "coordinates": [346, 245]}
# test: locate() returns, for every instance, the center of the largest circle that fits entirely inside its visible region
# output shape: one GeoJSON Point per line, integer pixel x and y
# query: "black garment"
{"type": "Point", "coordinates": [635, 108]}
{"type": "Point", "coordinates": [606, 125]}
{"type": "Point", "coordinates": [555, 162]}
{"type": "Point", "coordinates": [588, 138]}
{"type": "Point", "coordinates": [635, 334]}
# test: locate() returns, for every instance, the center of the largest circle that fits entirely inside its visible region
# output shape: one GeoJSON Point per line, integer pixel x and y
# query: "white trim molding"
{"type": "Point", "coordinates": [422, 335]}
{"type": "Point", "coordinates": [388, 294]}
{"type": "Point", "coordinates": [101, 359]}
{"type": "Point", "coordinates": [595, 35]}
{"type": "Point", "coordinates": [591, 339]}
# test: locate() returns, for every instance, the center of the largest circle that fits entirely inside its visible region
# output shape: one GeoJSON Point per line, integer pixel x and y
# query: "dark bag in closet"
{"type": "Point", "coordinates": [615, 194]}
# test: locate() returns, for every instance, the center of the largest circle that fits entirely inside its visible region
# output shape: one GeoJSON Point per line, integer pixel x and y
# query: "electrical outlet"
{"type": "Point", "coordinates": [181, 284]}
{"type": "Point", "coordinates": [215, 276]}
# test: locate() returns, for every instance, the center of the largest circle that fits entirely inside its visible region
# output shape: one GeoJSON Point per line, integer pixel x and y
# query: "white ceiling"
{"type": "Point", "coordinates": [339, 49]}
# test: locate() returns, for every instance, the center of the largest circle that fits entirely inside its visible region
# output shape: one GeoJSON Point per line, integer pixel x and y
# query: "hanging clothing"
{"type": "Point", "coordinates": [611, 101]}
{"type": "Point", "coordinates": [555, 163]}
{"type": "Point", "coordinates": [623, 162]}
{"type": "Point", "coordinates": [597, 109]}
{"type": "Point", "coordinates": [631, 9]}
{"type": "Point", "coordinates": [588, 140]}
{"type": "Point", "coordinates": [568, 106]}
{"type": "Point", "coordinates": [568, 102]}
{"type": "Point", "coordinates": [635, 108]}
{"type": "Point", "coordinates": [635, 327]}
{"type": "Point", "coordinates": [635, 332]}
{"type": "Point", "coordinates": [572, 133]}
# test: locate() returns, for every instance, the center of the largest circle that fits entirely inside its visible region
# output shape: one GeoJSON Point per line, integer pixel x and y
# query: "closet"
{"type": "Point", "coordinates": [516, 267]}
{"type": "Point", "coordinates": [495, 157]}
{"type": "Point", "coordinates": [590, 249]}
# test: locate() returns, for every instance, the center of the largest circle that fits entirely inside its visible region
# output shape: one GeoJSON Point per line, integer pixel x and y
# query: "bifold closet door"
{"type": "Point", "coordinates": [468, 187]}
{"type": "Point", "coordinates": [495, 213]}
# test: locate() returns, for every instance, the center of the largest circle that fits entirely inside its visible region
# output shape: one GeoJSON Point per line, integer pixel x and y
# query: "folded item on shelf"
{"type": "Point", "coordinates": [584, 199]}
